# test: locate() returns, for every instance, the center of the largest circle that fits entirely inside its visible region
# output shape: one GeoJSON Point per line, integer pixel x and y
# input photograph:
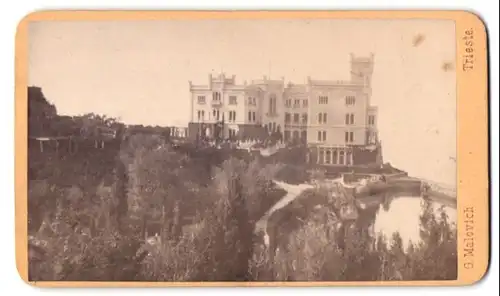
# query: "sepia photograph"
{"type": "Point", "coordinates": [242, 150]}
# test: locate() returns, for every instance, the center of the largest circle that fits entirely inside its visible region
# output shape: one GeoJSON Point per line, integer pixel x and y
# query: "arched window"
{"type": "Point", "coordinates": [341, 157]}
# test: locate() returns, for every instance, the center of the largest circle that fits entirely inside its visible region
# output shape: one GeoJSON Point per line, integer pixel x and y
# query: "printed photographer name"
{"type": "Point", "coordinates": [469, 238]}
{"type": "Point", "coordinates": [468, 57]}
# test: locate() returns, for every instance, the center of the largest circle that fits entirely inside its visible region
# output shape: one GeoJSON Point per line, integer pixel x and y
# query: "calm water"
{"type": "Point", "coordinates": [403, 216]}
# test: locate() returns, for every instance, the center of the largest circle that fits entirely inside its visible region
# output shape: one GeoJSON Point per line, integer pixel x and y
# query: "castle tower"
{"type": "Point", "coordinates": [362, 69]}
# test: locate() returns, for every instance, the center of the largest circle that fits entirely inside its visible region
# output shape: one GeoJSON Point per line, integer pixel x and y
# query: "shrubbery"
{"type": "Point", "coordinates": [207, 232]}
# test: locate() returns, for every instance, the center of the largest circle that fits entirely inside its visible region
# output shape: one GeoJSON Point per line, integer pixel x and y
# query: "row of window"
{"type": "Point", "coordinates": [296, 103]}
{"type": "Point", "coordinates": [335, 157]}
{"type": "Point", "coordinates": [322, 117]}
{"type": "Point", "coordinates": [296, 118]}
{"type": "Point", "coordinates": [233, 100]}
{"type": "Point", "coordinates": [231, 114]}
{"type": "Point", "coordinates": [349, 100]}
{"type": "Point", "coordinates": [273, 127]}
{"type": "Point", "coordinates": [295, 135]}
{"type": "Point", "coordinates": [321, 136]}
{"type": "Point", "coordinates": [215, 114]}
{"type": "Point", "coordinates": [349, 136]}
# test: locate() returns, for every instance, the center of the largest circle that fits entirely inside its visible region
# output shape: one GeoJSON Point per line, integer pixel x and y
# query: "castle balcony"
{"type": "Point", "coordinates": [272, 114]}
{"type": "Point", "coordinates": [216, 103]}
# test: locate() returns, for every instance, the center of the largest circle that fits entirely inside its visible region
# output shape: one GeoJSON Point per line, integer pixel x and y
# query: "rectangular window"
{"type": "Point", "coordinates": [349, 119]}
{"type": "Point", "coordinates": [296, 103]}
{"type": "Point", "coordinates": [328, 156]}
{"type": "Point", "coordinates": [304, 103]}
{"type": "Point", "coordinates": [319, 136]}
{"type": "Point", "coordinates": [304, 118]}
{"type": "Point", "coordinates": [324, 136]}
{"type": "Point", "coordinates": [348, 157]}
{"type": "Point", "coordinates": [350, 100]}
{"type": "Point", "coordinates": [351, 137]}
{"type": "Point", "coordinates": [288, 102]}
{"type": "Point", "coordinates": [252, 101]}
{"type": "Point", "coordinates": [321, 155]}
{"type": "Point", "coordinates": [253, 116]}
{"type": "Point", "coordinates": [232, 115]}
{"type": "Point", "coordinates": [288, 117]}
{"type": "Point", "coordinates": [325, 119]}
{"type": "Point", "coordinates": [371, 120]}
{"type": "Point", "coordinates": [346, 137]}
{"type": "Point", "coordinates": [323, 100]}
{"type": "Point", "coordinates": [320, 118]}
{"type": "Point", "coordinates": [249, 116]}
{"type": "Point", "coordinates": [296, 118]}
{"type": "Point", "coordinates": [201, 100]}
{"type": "Point", "coordinates": [233, 100]}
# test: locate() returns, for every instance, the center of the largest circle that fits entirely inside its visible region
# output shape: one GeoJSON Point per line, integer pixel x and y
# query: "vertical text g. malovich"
{"type": "Point", "coordinates": [469, 238]}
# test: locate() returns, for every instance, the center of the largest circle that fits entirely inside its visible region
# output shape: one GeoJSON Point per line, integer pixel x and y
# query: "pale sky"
{"type": "Point", "coordinates": [139, 71]}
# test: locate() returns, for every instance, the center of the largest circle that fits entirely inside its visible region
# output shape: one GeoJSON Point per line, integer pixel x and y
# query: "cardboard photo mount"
{"type": "Point", "coordinates": [471, 66]}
